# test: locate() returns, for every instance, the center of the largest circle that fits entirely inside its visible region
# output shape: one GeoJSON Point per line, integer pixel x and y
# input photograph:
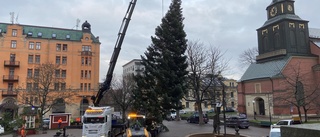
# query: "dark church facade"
{"type": "Point", "coordinates": [285, 79]}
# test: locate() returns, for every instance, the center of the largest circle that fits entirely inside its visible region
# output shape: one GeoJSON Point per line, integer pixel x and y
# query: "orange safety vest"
{"type": "Point", "coordinates": [22, 132]}
{"type": "Point", "coordinates": [59, 121]}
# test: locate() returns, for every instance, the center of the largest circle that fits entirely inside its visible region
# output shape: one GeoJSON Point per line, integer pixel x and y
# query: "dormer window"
{"type": "Point", "coordinates": [68, 36]}
{"type": "Point", "coordinates": [29, 33]}
{"type": "Point", "coordinates": [0, 30]}
{"type": "Point", "coordinates": [54, 35]}
{"type": "Point", "coordinates": [40, 34]}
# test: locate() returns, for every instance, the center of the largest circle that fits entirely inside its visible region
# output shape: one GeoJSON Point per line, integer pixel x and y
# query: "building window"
{"type": "Point", "coordinates": [36, 73]}
{"type": "Point", "coordinates": [56, 86]}
{"type": "Point", "coordinates": [37, 59]}
{"type": "Point", "coordinates": [54, 35]}
{"type": "Point", "coordinates": [81, 86]}
{"type": "Point", "coordinates": [27, 100]}
{"type": "Point", "coordinates": [257, 88]}
{"type": "Point", "coordinates": [40, 34]}
{"type": "Point", "coordinates": [30, 122]}
{"type": "Point", "coordinates": [85, 87]}
{"type": "Point", "coordinates": [31, 45]}
{"type": "Point", "coordinates": [57, 73]}
{"type": "Point", "coordinates": [232, 104]}
{"type": "Point", "coordinates": [89, 61]}
{"type": "Point", "coordinates": [29, 86]}
{"type": "Point", "coordinates": [38, 46]}
{"type": "Point", "coordinates": [89, 86]}
{"type": "Point", "coordinates": [187, 104]}
{"type": "Point", "coordinates": [64, 60]}
{"type": "Point", "coordinates": [29, 34]}
{"type": "Point", "coordinates": [85, 74]}
{"type": "Point", "coordinates": [82, 73]}
{"type": "Point", "coordinates": [89, 74]}
{"type": "Point", "coordinates": [14, 32]}
{"type": "Point", "coordinates": [35, 86]}
{"type": "Point", "coordinates": [58, 46]}
{"type": "Point", "coordinates": [58, 58]}
{"type": "Point", "coordinates": [82, 60]}
{"type": "Point", "coordinates": [29, 74]}
{"type": "Point", "coordinates": [30, 59]}
{"type": "Point", "coordinates": [63, 86]}
{"type": "Point", "coordinates": [10, 86]}
{"type": "Point", "coordinates": [64, 73]}
{"type": "Point", "coordinates": [13, 44]}
{"type": "Point", "coordinates": [205, 104]}
{"type": "Point", "coordinates": [36, 100]}
{"type": "Point", "coordinates": [86, 48]}
{"type": "Point", "coordinates": [231, 94]}
{"type": "Point", "coordinates": [64, 47]}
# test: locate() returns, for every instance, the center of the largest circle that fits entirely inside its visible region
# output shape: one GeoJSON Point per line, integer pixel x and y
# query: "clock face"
{"type": "Point", "coordinates": [273, 11]}
{"type": "Point", "coordinates": [290, 8]}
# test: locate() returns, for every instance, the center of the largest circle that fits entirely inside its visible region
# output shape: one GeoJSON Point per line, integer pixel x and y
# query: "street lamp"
{"type": "Point", "coordinates": [254, 110]}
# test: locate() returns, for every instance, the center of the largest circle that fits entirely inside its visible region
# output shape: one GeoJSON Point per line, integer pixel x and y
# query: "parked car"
{"type": "Point", "coordinates": [237, 121]}
{"type": "Point", "coordinates": [171, 116]}
{"type": "Point", "coordinates": [194, 118]}
{"type": "Point", "coordinates": [288, 122]}
{"type": "Point", "coordinates": [182, 112]}
{"type": "Point", "coordinates": [230, 109]}
{"type": "Point", "coordinates": [46, 122]}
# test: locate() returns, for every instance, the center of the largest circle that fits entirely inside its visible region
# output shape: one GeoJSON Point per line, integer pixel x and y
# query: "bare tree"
{"type": "Point", "coordinates": [248, 56]}
{"type": "Point", "coordinates": [204, 67]}
{"type": "Point", "coordinates": [41, 91]}
{"type": "Point", "coordinates": [121, 93]}
{"type": "Point", "coordinates": [300, 89]}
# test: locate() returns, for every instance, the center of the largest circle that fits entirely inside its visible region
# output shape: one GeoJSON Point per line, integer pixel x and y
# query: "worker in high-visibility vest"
{"type": "Point", "coordinates": [23, 132]}
{"type": "Point", "coordinates": [59, 123]}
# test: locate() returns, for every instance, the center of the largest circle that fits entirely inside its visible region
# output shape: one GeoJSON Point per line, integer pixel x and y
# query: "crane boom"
{"type": "Point", "coordinates": [122, 32]}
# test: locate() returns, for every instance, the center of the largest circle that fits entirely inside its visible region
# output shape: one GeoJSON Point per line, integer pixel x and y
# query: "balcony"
{"type": "Point", "coordinates": [86, 53]}
{"type": "Point", "coordinates": [9, 93]}
{"type": "Point", "coordinates": [11, 78]}
{"type": "Point", "coordinates": [8, 63]}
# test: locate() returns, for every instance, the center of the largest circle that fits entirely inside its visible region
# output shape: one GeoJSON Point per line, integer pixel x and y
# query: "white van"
{"type": "Point", "coordinates": [275, 131]}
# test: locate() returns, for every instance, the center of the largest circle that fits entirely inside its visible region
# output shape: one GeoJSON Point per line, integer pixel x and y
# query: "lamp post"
{"type": "Point", "coordinates": [254, 110]}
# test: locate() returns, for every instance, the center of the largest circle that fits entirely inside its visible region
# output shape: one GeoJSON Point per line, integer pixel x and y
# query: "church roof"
{"type": "Point", "coordinates": [282, 17]}
{"type": "Point", "coordinates": [264, 70]}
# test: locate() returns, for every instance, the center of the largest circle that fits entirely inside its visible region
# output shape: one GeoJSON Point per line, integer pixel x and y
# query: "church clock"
{"type": "Point", "coordinates": [273, 11]}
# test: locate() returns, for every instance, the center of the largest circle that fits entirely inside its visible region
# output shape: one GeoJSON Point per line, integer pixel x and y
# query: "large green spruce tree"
{"type": "Point", "coordinates": [163, 83]}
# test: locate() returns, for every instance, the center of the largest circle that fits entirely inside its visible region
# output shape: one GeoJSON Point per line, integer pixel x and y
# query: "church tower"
{"type": "Point", "coordinates": [283, 34]}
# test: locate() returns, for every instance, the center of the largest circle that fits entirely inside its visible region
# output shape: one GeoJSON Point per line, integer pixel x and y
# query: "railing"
{"type": "Point", "coordinates": [11, 63]}
{"type": "Point", "coordinates": [9, 92]}
{"type": "Point", "coordinates": [10, 78]}
{"type": "Point", "coordinates": [86, 53]}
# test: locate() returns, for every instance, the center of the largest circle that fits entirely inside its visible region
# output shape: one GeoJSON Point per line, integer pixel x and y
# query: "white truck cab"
{"type": "Point", "coordinates": [97, 122]}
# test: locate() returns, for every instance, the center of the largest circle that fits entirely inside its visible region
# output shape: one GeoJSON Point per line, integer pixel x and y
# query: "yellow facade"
{"type": "Point", "coordinates": [22, 47]}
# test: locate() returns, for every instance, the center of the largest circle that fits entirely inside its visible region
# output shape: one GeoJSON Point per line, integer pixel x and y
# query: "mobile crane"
{"type": "Point", "coordinates": [122, 32]}
{"type": "Point", "coordinates": [97, 120]}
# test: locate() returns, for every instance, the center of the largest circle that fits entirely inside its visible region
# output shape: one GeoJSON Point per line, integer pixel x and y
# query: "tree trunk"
{"type": "Point", "coordinates": [200, 113]}
{"type": "Point", "coordinates": [305, 114]}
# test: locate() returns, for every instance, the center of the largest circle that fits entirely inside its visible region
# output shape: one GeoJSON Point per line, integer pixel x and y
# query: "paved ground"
{"type": "Point", "coordinates": [177, 129]}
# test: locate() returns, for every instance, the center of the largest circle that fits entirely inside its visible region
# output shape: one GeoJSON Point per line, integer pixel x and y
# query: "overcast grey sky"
{"type": "Point", "coordinates": [228, 24]}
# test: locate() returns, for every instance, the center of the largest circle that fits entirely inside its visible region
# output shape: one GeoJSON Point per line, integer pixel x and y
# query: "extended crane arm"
{"type": "Point", "coordinates": [122, 32]}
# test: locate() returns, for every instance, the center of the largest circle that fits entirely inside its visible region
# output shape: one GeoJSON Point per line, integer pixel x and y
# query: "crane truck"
{"type": "Point", "coordinates": [97, 120]}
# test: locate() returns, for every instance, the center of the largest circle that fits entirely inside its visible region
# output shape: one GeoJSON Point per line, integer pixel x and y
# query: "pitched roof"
{"type": "Point", "coordinates": [47, 32]}
{"type": "Point", "coordinates": [264, 70]}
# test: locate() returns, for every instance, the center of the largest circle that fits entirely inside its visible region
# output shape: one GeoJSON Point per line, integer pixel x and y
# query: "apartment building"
{"type": "Point", "coordinates": [133, 67]}
{"type": "Point", "coordinates": [23, 47]}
